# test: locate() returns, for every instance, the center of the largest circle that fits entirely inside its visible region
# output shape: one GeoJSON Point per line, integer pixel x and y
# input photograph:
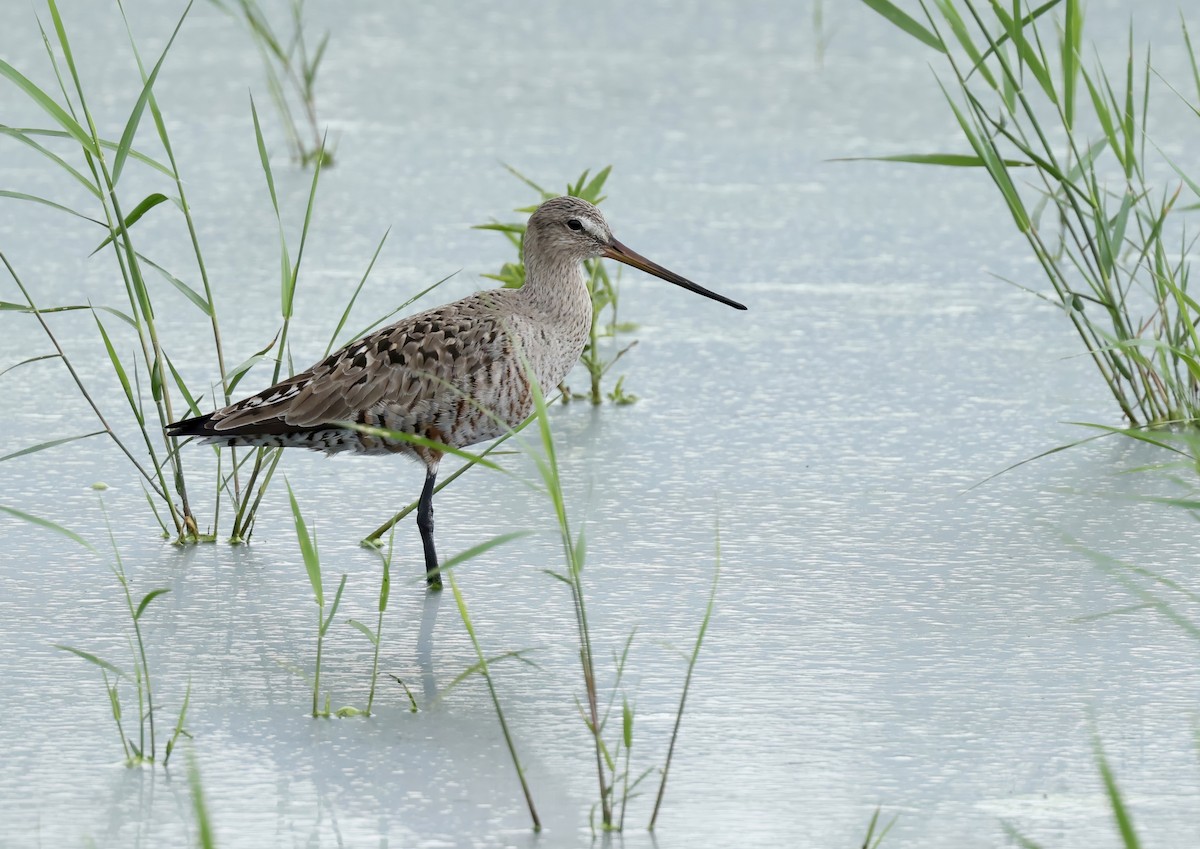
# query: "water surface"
{"type": "Point", "coordinates": [884, 634]}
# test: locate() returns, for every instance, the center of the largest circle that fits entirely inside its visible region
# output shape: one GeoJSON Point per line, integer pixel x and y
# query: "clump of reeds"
{"type": "Point", "coordinates": [291, 67]}
{"type": "Point", "coordinates": [152, 390]}
{"type": "Point", "coordinates": [1069, 147]}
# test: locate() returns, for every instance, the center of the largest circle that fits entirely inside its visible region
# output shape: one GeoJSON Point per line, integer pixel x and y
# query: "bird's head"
{"type": "Point", "coordinates": [571, 229]}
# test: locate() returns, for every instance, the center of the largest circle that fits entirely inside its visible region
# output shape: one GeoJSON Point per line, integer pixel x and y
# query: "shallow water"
{"type": "Point", "coordinates": [883, 634]}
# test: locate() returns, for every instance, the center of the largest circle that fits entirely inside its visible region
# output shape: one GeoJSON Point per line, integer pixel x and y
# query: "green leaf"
{"type": "Point", "coordinates": [42, 446]}
{"type": "Point", "coordinates": [91, 658]}
{"type": "Point", "coordinates": [28, 361]}
{"type": "Point", "coordinates": [308, 548]}
{"type": "Point", "coordinates": [1119, 811]}
{"type": "Point", "coordinates": [955, 160]}
{"type": "Point", "coordinates": [47, 103]}
{"type": "Point", "coordinates": [478, 667]}
{"type": "Point", "coordinates": [367, 632]}
{"type": "Point", "coordinates": [1072, 40]}
{"type": "Point", "coordinates": [959, 28]}
{"type": "Point", "coordinates": [148, 203]}
{"type": "Point", "coordinates": [119, 369]}
{"type": "Point", "coordinates": [48, 525]}
{"type": "Point", "coordinates": [474, 551]}
{"type": "Point", "coordinates": [1008, 21]}
{"type": "Point", "coordinates": [187, 291]}
{"type": "Point", "coordinates": [35, 199]}
{"type": "Point", "coordinates": [146, 599]}
{"type": "Point", "coordinates": [906, 23]}
{"type": "Point", "coordinates": [135, 117]}
{"type": "Point", "coordinates": [289, 294]}
{"type": "Point", "coordinates": [191, 402]}
{"type": "Point", "coordinates": [1016, 29]}
{"type": "Point", "coordinates": [337, 600]}
{"type": "Point", "coordinates": [354, 297]}
{"type": "Point", "coordinates": [25, 138]}
{"type": "Point", "coordinates": [385, 585]}
{"type": "Point", "coordinates": [236, 375]}
{"type": "Point", "coordinates": [104, 143]}
{"type": "Point", "coordinates": [591, 192]}
{"type": "Point", "coordinates": [400, 436]}
{"type": "Point", "coordinates": [626, 723]}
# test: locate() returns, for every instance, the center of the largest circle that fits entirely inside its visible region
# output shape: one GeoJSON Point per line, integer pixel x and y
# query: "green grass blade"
{"type": "Point", "coordinates": [687, 681]}
{"type": "Point", "coordinates": [476, 550]}
{"type": "Point", "coordinates": [5, 371]}
{"type": "Point", "coordinates": [902, 20]}
{"type": "Point", "coordinates": [45, 202]}
{"type": "Point", "coordinates": [1009, 20]}
{"type": "Point", "coordinates": [42, 446]}
{"type": "Point", "coordinates": [146, 599]}
{"type": "Point", "coordinates": [461, 603]}
{"type": "Point", "coordinates": [477, 668]}
{"type": "Point", "coordinates": [954, 160]}
{"type": "Point", "coordinates": [51, 108]}
{"type": "Point", "coordinates": [201, 303]}
{"type": "Point", "coordinates": [91, 658]}
{"type": "Point", "coordinates": [135, 117]}
{"type": "Point", "coordinates": [147, 203]}
{"type": "Point", "coordinates": [308, 548]}
{"type": "Point", "coordinates": [50, 526]}
{"type": "Point", "coordinates": [959, 28]}
{"type": "Point", "coordinates": [289, 294]}
{"type": "Point", "coordinates": [367, 632]}
{"type": "Point", "coordinates": [1119, 811]}
{"type": "Point", "coordinates": [106, 144]}
{"type": "Point", "coordinates": [1022, 841]}
{"type": "Point", "coordinates": [191, 401]}
{"type": "Point", "coordinates": [26, 139]}
{"type": "Point", "coordinates": [118, 368]}
{"type": "Point", "coordinates": [204, 827]}
{"type": "Point", "coordinates": [591, 192]}
{"type": "Point", "coordinates": [1016, 28]}
{"type": "Point", "coordinates": [401, 436]}
{"type": "Point", "coordinates": [236, 374]}
{"type": "Point", "coordinates": [333, 608]}
{"type": "Point", "coordinates": [385, 584]}
{"type": "Point", "coordinates": [354, 297]}
{"type": "Point", "coordinates": [1072, 40]}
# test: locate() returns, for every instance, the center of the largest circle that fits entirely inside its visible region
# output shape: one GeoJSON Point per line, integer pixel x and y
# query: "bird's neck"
{"type": "Point", "coordinates": [557, 288]}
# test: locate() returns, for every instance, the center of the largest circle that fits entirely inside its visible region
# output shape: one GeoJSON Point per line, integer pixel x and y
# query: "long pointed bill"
{"type": "Point", "coordinates": [623, 254]}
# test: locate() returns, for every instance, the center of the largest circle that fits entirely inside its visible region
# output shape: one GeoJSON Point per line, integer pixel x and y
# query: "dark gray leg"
{"type": "Point", "coordinates": [425, 526]}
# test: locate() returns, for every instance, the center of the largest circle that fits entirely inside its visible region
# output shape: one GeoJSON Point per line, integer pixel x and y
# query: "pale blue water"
{"type": "Point", "coordinates": [882, 636]}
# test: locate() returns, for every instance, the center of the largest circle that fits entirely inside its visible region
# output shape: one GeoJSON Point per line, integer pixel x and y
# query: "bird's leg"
{"type": "Point", "coordinates": [425, 524]}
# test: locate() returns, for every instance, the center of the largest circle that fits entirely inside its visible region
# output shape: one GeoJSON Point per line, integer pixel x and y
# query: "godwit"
{"type": "Point", "coordinates": [453, 375]}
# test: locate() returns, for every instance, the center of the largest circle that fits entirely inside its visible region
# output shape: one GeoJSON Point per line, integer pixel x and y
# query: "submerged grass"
{"type": "Point", "coordinates": [312, 565]}
{"type": "Point", "coordinates": [143, 749]}
{"type": "Point", "coordinates": [1065, 145]}
{"type": "Point", "coordinates": [291, 67]}
{"type": "Point", "coordinates": [204, 829]}
{"type": "Point", "coordinates": [375, 635]}
{"type": "Point", "coordinates": [482, 664]}
{"type": "Point", "coordinates": [610, 772]}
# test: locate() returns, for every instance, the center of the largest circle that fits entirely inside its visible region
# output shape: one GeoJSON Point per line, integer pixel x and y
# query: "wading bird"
{"type": "Point", "coordinates": [454, 375]}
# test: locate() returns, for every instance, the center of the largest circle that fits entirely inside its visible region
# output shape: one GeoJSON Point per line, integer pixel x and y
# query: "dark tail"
{"type": "Point", "coordinates": [198, 426]}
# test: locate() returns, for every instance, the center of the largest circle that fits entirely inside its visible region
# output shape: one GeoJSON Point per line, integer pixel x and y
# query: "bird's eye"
{"type": "Point", "coordinates": [575, 225]}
